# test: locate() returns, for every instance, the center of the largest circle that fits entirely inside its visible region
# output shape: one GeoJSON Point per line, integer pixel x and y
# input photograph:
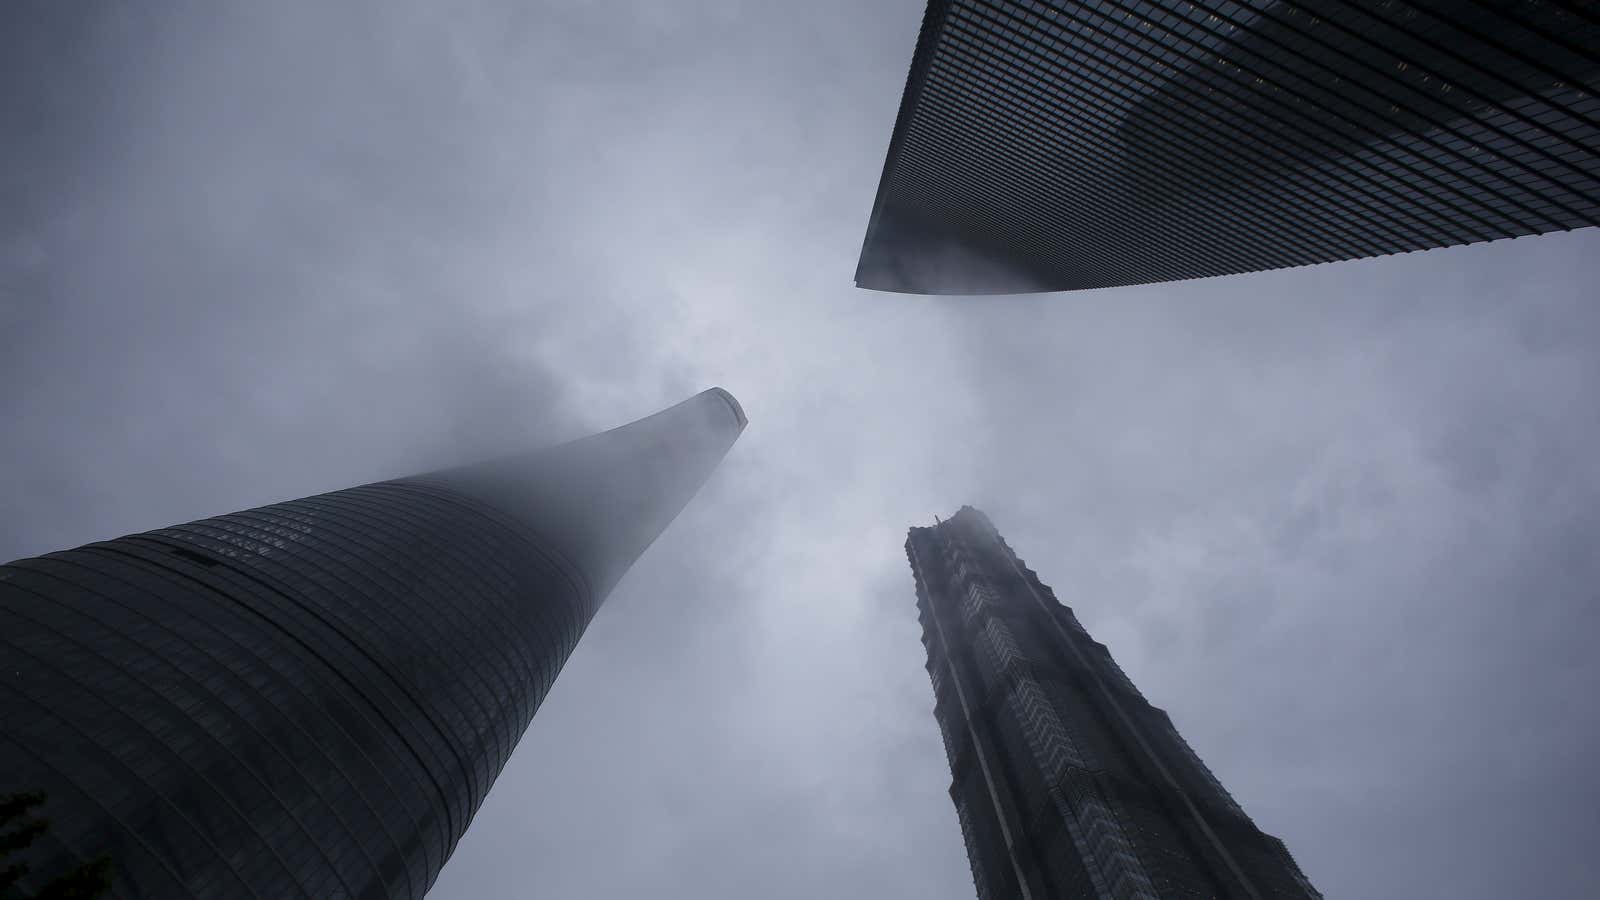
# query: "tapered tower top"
{"type": "Point", "coordinates": [601, 500]}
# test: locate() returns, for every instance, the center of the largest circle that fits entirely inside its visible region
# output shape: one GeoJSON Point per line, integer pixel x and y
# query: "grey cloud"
{"type": "Point", "coordinates": [1337, 520]}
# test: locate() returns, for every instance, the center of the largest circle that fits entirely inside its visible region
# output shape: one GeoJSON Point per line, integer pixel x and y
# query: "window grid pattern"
{"type": "Point", "coordinates": [308, 699]}
{"type": "Point", "coordinates": [1087, 789]}
{"type": "Point", "coordinates": [1069, 145]}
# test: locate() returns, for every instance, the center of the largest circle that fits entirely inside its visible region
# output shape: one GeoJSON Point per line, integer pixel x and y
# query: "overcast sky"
{"type": "Point", "coordinates": [1339, 521]}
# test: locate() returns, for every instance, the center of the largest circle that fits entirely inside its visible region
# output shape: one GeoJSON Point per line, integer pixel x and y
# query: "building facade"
{"type": "Point", "coordinates": [311, 699]}
{"type": "Point", "coordinates": [1066, 781]}
{"type": "Point", "coordinates": [1046, 146]}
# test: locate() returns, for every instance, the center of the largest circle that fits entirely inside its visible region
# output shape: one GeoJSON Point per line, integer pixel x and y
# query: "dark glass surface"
{"type": "Point", "coordinates": [311, 699]}
{"type": "Point", "coordinates": [1066, 781]}
{"type": "Point", "coordinates": [1058, 146]}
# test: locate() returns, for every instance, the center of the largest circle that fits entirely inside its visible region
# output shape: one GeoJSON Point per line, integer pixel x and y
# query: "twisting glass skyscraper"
{"type": "Point", "coordinates": [1067, 782]}
{"type": "Point", "coordinates": [1047, 145]}
{"type": "Point", "coordinates": [312, 698]}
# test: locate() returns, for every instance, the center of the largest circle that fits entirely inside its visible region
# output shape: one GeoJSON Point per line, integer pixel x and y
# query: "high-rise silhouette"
{"type": "Point", "coordinates": [312, 698]}
{"type": "Point", "coordinates": [1047, 146]}
{"type": "Point", "coordinates": [1066, 781]}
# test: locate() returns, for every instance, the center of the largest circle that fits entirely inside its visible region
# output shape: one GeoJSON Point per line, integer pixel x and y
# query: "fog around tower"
{"type": "Point", "coordinates": [1339, 521]}
{"type": "Point", "coordinates": [600, 501]}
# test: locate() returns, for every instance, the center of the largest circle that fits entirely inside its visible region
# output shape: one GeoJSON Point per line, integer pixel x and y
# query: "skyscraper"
{"type": "Point", "coordinates": [1047, 146]}
{"type": "Point", "coordinates": [311, 699]}
{"type": "Point", "coordinates": [1067, 782]}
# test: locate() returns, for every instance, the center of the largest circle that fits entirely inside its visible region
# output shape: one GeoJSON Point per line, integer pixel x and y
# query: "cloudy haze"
{"type": "Point", "coordinates": [1339, 521]}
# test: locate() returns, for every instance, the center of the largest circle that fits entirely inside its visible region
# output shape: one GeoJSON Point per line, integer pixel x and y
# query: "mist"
{"type": "Point", "coordinates": [1338, 521]}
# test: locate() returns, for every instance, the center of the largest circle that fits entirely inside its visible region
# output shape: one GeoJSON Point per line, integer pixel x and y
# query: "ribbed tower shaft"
{"type": "Point", "coordinates": [311, 699]}
{"type": "Point", "coordinates": [1066, 781]}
